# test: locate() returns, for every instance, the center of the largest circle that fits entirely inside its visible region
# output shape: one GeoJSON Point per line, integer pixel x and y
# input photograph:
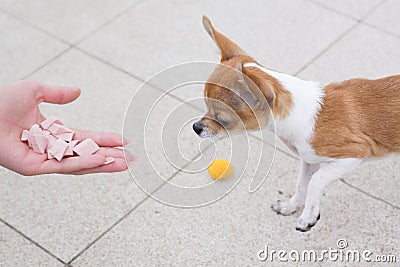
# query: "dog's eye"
{"type": "Point", "coordinates": [223, 122]}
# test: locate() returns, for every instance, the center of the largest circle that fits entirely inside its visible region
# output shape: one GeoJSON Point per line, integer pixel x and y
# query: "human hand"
{"type": "Point", "coordinates": [19, 110]}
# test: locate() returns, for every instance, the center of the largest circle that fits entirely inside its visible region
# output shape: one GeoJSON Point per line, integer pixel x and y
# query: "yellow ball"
{"type": "Point", "coordinates": [220, 169]}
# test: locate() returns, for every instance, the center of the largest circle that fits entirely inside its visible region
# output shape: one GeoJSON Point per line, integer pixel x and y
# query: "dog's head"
{"type": "Point", "coordinates": [238, 98]}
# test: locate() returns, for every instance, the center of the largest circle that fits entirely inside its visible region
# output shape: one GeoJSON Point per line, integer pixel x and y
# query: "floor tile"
{"type": "Point", "coordinates": [18, 251]}
{"type": "Point", "coordinates": [105, 92]}
{"type": "Point", "coordinates": [65, 213]}
{"type": "Point", "coordinates": [17, 59]}
{"type": "Point", "coordinates": [68, 20]}
{"type": "Point", "coordinates": [163, 138]}
{"type": "Point", "coordinates": [386, 17]}
{"type": "Point", "coordinates": [380, 178]}
{"type": "Point", "coordinates": [250, 158]}
{"type": "Point", "coordinates": [94, 202]}
{"type": "Point", "coordinates": [364, 52]}
{"type": "Point", "coordinates": [232, 230]}
{"type": "Point", "coordinates": [281, 35]}
{"type": "Point", "coordinates": [354, 8]}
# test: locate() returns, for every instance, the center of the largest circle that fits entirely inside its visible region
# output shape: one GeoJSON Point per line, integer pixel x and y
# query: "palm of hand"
{"type": "Point", "coordinates": [19, 110]}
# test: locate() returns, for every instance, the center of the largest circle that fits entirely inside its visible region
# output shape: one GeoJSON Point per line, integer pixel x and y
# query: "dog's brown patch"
{"type": "Point", "coordinates": [359, 118]}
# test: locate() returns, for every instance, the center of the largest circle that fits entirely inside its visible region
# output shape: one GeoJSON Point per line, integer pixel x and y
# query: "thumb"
{"type": "Point", "coordinates": [58, 94]}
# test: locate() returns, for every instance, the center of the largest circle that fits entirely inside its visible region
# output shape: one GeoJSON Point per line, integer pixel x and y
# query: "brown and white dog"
{"type": "Point", "coordinates": [331, 128]}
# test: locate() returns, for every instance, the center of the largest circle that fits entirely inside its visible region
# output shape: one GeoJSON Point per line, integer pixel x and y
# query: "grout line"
{"type": "Point", "coordinates": [49, 34]}
{"type": "Point", "coordinates": [117, 222]}
{"type": "Point", "coordinates": [70, 45]}
{"type": "Point", "coordinates": [47, 63]}
{"type": "Point", "coordinates": [134, 76]}
{"type": "Point", "coordinates": [370, 195]}
{"type": "Point", "coordinates": [374, 8]}
{"type": "Point", "coordinates": [327, 48]}
{"type": "Point", "coordinates": [380, 29]}
{"type": "Point", "coordinates": [128, 8]}
{"type": "Point", "coordinates": [357, 22]}
{"type": "Point", "coordinates": [333, 10]}
{"type": "Point", "coordinates": [108, 229]}
{"type": "Point", "coordinates": [32, 241]}
{"type": "Point", "coordinates": [109, 64]}
{"type": "Point", "coordinates": [134, 208]}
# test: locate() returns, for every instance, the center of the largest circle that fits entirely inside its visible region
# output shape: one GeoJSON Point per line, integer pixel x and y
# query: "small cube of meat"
{"type": "Point", "coordinates": [35, 129]}
{"type": "Point", "coordinates": [39, 143]}
{"type": "Point", "coordinates": [65, 136]}
{"type": "Point", "coordinates": [86, 147]}
{"type": "Point", "coordinates": [49, 121]}
{"type": "Point", "coordinates": [49, 155]}
{"type": "Point", "coordinates": [71, 145]}
{"type": "Point", "coordinates": [25, 135]}
{"type": "Point", "coordinates": [58, 149]}
{"type": "Point", "coordinates": [56, 128]}
{"type": "Point", "coordinates": [52, 140]}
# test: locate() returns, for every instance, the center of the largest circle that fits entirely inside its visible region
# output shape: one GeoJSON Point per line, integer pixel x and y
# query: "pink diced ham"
{"type": "Point", "coordinates": [49, 155]}
{"type": "Point", "coordinates": [53, 138]}
{"type": "Point", "coordinates": [39, 143]}
{"type": "Point", "coordinates": [59, 149]}
{"type": "Point", "coordinates": [25, 135]}
{"type": "Point", "coordinates": [49, 121]}
{"type": "Point", "coordinates": [35, 129]}
{"type": "Point", "coordinates": [86, 147]}
{"type": "Point", "coordinates": [71, 145]}
{"type": "Point", "coordinates": [56, 128]}
{"type": "Point", "coordinates": [65, 136]}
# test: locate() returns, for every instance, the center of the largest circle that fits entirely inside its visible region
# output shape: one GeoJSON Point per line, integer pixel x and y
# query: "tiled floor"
{"type": "Point", "coordinates": [108, 49]}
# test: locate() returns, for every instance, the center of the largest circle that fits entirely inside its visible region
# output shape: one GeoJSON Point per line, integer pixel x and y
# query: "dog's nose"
{"type": "Point", "coordinates": [198, 127]}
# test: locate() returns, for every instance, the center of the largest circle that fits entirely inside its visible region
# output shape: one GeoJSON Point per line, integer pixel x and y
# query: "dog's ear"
{"type": "Point", "coordinates": [276, 96]}
{"type": "Point", "coordinates": [245, 89]}
{"type": "Point", "coordinates": [228, 48]}
{"type": "Point", "coordinates": [261, 86]}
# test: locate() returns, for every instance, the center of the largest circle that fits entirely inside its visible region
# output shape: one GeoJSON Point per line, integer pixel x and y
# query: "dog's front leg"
{"type": "Point", "coordinates": [324, 176]}
{"type": "Point", "coordinates": [297, 201]}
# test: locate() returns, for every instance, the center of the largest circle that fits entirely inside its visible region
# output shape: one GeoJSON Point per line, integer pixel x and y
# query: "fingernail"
{"type": "Point", "coordinates": [109, 160]}
{"type": "Point", "coordinates": [129, 156]}
{"type": "Point", "coordinates": [127, 141]}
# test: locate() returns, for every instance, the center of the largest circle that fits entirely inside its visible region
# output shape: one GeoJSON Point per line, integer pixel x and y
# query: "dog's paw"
{"type": "Point", "coordinates": [285, 207]}
{"type": "Point", "coordinates": [305, 224]}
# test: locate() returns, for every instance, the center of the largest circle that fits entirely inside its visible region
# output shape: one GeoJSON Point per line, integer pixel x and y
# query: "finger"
{"type": "Point", "coordinates": [115, 153]}
{"type": "Point", "coordinates": [72, 164]}
{"type": "Point", "coordinates": [101, 138]}
{"type": "Point", "coordinates": [57, 94]}
{"type": "Point", "coordinates": [118, 165]}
